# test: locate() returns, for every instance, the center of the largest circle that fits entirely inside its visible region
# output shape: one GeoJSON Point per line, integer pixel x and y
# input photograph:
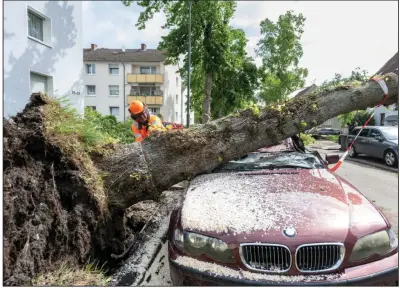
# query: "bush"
{"type": "Point", "coordinates": [333, 138]}
{"type": "Point", "coordinates": [362, 116]}
{"type": "Point", "coordinates": [307, 139]}
{"type": "Point", "coordinates": [109, 127]}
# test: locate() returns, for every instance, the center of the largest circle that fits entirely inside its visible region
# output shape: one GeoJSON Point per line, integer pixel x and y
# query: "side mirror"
{"type": "Point", "coordinates": [332, 158]}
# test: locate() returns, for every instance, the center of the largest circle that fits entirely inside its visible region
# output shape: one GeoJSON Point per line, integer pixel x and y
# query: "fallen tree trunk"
{"type": "Point", "coordinates": [138, 172]}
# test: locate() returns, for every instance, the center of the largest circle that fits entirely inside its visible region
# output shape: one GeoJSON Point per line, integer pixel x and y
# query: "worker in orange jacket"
{"type": "Point", "coordinates": [144, 122]}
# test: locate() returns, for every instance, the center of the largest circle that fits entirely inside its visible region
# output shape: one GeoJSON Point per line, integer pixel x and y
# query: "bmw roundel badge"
{"type": "Point", "coordinates": [290, 232]}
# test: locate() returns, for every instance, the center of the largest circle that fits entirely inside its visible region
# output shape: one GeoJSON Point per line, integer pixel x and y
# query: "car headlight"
{"type": "Point", "coordinates": [178, 238]}
{"type": "Point", "coordinates": [377, 243]}
{"type": "Point", "coordinates": [196, 245]}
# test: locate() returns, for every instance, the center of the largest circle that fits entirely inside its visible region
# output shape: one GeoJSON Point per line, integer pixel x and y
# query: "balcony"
{"type": "Point", "coordinates": [145, 78]}
{"type": "Point", "coordinates": [153, 99]}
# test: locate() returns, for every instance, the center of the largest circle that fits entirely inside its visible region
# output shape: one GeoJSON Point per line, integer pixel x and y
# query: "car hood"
{"type": "Point", "coordinates": [251, 205]}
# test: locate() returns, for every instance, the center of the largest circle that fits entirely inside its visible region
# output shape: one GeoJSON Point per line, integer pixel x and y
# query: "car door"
{"type": "Point", "coordinates": [375, 144]}
{"type": "Point", "coordinates": [362, 141]}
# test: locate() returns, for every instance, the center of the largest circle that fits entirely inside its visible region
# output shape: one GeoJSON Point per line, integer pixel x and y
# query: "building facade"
{"type": "Point", "coordinates": [42, 52]}
{"type": "Point", "coordinates": [113, 78]}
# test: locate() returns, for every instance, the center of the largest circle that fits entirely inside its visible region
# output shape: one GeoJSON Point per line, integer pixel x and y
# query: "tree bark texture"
{"type": "Point", "coordinates": [141, 171]}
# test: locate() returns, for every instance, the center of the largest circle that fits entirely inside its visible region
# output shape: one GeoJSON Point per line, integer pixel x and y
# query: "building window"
{"type": "Point", "coordinates": [91, 90]}
{"type": "Point", "coordinates": [114, 90]}
{"type": "Point", "coordinates": [177, 82]}
{"type": "Point", "coordinates": [176, 99]}
{"type": "Point", "coordinates": [113, 69]}
{"type": "Point", "coordinates": [92, 107]}
{"type": "Point", "coordinates": [148, 70]}
{"type": "Point", "coordinates": [90, 69]}
{"type": "Point", "coordinates": [114, 111]}
{"type": "Point", "coordinates": [382, 123]}
{"type": "Point", "coordinates": [41, 83]}
{"type": "Point", "coordinates": [149, 91]}
{"type": "Point", "coordinates": [39, 26]}
{"type": "Point", "coordinates": [153, 111]}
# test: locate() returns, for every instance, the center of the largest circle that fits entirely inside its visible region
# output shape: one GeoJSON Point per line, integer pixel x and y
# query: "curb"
{"type": "Point", "coordinates": [132, 272]}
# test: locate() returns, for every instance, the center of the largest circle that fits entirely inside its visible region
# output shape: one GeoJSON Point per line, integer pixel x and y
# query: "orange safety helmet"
{"type": "Point", "coordinates": [136, 107]}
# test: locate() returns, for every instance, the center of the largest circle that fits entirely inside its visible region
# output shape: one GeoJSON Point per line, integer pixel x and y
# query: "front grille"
{"type": "Point", "coordinates": [319, 257]}
{"type": "Point", "coordinates": [266, 257]}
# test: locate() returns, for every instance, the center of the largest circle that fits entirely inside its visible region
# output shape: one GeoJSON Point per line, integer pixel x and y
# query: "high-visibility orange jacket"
{"type": "Point", "coordinates": [142, 131]}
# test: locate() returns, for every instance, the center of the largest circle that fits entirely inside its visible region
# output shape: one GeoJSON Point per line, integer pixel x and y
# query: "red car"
{"type": "Point", "coordinates": [279, 216]}
{"type": "Point", "coordinates": [174, 125]}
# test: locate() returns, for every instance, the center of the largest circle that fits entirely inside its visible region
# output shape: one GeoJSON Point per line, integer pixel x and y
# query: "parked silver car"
{"type": "Point", "coordinates": [376, 141]}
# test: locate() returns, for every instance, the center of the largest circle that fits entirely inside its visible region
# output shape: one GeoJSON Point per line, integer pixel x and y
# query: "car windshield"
{"type": "Point", "coordinates": [390, 133]}
{"type": "Point", "coordinates": [275, 160]}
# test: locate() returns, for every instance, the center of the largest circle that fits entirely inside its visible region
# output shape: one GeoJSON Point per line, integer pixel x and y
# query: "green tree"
{"type": "Point", "coordinates": [281, 50]}
{"type": "Point", "coordinates": [234, 83]}
{"type": "Point", "coordinates": [210, 33]}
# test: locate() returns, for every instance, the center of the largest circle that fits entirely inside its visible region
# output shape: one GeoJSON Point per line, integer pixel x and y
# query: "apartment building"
{"type": "Point", "coordinates": [115, 77]}
{"type": "Point", "coordinates": [42, 52]}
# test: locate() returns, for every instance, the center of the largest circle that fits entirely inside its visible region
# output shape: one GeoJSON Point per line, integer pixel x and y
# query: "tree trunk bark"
{"type": "Point", "coordinates": [207, 98]}
{"type": "Point", "coordinates": [137, 172]}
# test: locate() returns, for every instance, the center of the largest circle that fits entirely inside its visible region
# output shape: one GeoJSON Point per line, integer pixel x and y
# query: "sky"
{"type": "Point", "coordinates": [338, 35]}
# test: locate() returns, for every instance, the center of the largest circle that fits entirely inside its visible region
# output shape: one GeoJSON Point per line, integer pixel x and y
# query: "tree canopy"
{"type": "Point", "coordinates": [210, 33]}
{"type": "Point", "coordinates": [280, 49]}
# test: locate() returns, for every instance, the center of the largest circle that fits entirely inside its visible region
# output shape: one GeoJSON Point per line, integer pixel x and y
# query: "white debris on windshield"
{"type": "Point", "coordinates": [230, 203]}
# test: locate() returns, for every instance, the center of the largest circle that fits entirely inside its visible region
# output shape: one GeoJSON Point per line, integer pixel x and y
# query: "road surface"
{"type": "Point", "coordinates": [379, 186]}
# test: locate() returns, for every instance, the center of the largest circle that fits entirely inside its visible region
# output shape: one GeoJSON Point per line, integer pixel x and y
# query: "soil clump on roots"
{"type": "Point", "coordinates": [50, 213]}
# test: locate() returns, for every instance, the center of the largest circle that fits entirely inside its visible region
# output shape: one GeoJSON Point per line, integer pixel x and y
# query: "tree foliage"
{"type": "Point", "coordinates": [233, 84]}
{"type": "Point", "coordinates": [108, 127]}
{"type": "Point", "coordinates": [281, 50]}
{"type": "Point", "coordinates": [210, 34]}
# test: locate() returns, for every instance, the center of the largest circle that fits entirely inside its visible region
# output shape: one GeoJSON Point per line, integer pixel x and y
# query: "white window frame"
{"type": "Point", "coordinates": [116, 116]}
{"type": "Point", "coordinates": [109, 91]}
{"type": "Point", "coordinates": [87, 91]}
{"type": "Point", "coordinates": [87, 66]}
{"type": "Point", "coordinates": [109, 69]}
{"type": "Point", "coordinates": [46, 26]}
{"type": "Point", "coordinates": [177, 99]}
{"type": "Point", "coordinates": [49, 83]}
{"type": "Point", "coordinates": [153, 111]}
{"type": "Point", "coordinates": [153, 70]}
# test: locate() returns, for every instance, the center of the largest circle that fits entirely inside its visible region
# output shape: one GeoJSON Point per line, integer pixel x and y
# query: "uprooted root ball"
{"type": "Point", "coordinates": [49, 211]}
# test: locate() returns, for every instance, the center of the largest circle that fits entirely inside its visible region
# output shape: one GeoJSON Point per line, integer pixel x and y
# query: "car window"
{"type": "Point", "coordinates": [375, 134]}
{"type": "Point", "coordinates": [390, 133]}
{"type": "Point", "coordinates": [355, 131]}
{"type": "Point", "coordinates": [364, 133]}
